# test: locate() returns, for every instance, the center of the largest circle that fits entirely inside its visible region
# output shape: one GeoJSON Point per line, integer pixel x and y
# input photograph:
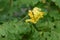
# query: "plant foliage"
{"type": "Point", "coordinates": [13, 14]}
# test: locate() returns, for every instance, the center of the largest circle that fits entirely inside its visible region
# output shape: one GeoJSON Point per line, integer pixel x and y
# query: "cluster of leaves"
{"type": "Point", "coordinates": [12, 16]}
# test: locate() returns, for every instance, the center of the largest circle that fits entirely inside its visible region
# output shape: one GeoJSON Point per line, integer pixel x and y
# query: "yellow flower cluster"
{"type": "Point", "coordinates": [35, 15]}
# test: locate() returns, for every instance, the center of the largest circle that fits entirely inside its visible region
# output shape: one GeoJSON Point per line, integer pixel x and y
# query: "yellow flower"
{"type": "Point", "coordinates": [35, 15]}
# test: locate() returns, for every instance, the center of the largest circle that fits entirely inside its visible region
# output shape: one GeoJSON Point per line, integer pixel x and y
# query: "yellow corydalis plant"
{"type": "Point", "coordinates": [35, 15]}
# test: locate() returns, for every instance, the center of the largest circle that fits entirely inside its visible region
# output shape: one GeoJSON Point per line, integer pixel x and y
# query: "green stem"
{"type": "Point", "coordinates": [24, 18]}
{"type": "Point", "coordinates": [11, 3]}
{"type": "Point", "coordinates": [36, 27]}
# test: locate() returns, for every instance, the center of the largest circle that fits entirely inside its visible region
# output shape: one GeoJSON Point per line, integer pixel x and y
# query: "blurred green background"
{"type": "Point", "coordinates": [13, 15]}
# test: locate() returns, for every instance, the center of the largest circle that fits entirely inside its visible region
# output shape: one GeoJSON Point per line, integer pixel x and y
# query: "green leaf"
{"type": "Point", "coordinates": [57, 26]}
{"type": "Point", "coordinates": [57, 2]}
{"type": "Point", "coordinates": [27, 2]}
{"type": "Point", "coordinates": [55, 14]}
